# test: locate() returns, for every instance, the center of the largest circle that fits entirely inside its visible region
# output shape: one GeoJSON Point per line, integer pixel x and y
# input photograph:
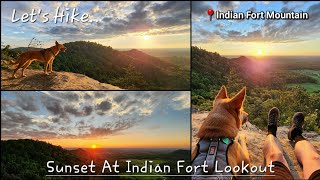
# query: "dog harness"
{"type": "Point", "coordinates": [48, 49]}
{"type": "Point", "coordinates": [212, 151]}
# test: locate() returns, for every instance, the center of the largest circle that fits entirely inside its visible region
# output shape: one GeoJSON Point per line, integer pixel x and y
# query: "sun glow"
{"type": "Point", "coordinates": [93, 146]}
{"type": "Point", "coordinates": [259, 52]}
{"type": "Point", "coordinates": [146, 38]}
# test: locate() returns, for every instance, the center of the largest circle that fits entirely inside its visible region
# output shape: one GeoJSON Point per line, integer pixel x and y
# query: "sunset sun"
{"type": "Point", "coordinates": [93, 146]}
{"type": "Point", "coordinates": [259, 52]}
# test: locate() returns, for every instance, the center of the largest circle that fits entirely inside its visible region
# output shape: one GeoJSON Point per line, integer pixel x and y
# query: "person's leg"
{"type": "Point", "coordinates": [272, 150]}
{"type": "Point", "coordinates": [272, 147]}
{"type": "Point", "coordinates": [305, 152]}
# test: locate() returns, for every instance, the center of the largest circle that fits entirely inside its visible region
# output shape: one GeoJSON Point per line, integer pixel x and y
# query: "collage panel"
{"type": "Point", "coordinates": [92, 45]}
{"type": "Point", "coordinates": [160, 90]}
{"type": "Point", "coordinates": [255, 82]}
{"type": "Point", "coordinates": [51, 134]}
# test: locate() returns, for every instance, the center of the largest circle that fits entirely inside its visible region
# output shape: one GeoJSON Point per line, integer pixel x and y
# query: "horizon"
{"type": "Point", "coordinates": [123, 147]}
{"type": "Point", "coordinates": [261, 57]}
{"type": "Point", "coordinates": [257, 37]}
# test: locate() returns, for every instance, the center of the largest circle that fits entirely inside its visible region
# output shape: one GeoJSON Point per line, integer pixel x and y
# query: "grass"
{"type": "Point", "coordinates": [310, 87]}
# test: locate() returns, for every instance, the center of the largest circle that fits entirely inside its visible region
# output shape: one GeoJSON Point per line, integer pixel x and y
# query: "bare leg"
{"type": "Point", "coordinates": [25, 67]}
{"type": "Point", "coordinates": [272, 151]}
{"type": "Point", "coordinates": [305, 152]}
{"type": "Point", "coordinates": [307, 155]}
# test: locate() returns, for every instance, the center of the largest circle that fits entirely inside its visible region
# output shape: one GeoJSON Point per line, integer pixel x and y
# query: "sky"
{"type": "Point", "coordinates": [253, 37]}
{"type": "Point", "coordinates": [73, 119]}
{"type": "Point", "coordinates": [121, 25]}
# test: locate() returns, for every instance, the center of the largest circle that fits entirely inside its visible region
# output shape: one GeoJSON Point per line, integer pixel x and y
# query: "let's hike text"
{"type": "Point", "coordinates": [66, 15]}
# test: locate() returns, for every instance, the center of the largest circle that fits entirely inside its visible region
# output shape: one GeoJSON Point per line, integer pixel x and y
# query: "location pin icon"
{"type": "Point", "coordinates": [210, 13]}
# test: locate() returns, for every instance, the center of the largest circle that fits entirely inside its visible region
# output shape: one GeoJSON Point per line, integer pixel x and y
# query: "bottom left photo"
{"type": "Point", "coordinates": [51, 134]}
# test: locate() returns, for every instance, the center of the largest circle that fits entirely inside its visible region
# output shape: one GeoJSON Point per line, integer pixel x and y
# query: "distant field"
{"type": "Point", "coordinates": [310, 87]}
{"type": "Point", "coordinates": [165, 52]}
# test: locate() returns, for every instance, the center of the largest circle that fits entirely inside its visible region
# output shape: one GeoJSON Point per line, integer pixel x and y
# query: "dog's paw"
{"type": "Point", "coordinates": [23, 75]}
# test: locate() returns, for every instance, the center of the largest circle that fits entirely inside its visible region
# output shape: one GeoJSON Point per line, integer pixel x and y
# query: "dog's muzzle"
{"type": "Point", "coordinates": [64, 49]}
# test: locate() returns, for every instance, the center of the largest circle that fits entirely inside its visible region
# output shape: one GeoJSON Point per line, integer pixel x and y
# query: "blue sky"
{"type": "Point", "coordinates": [103, 118]}
{"type": "Point", "coordinates": [244, 37]}
{"type": "Point", "coordinates": [123, 24]}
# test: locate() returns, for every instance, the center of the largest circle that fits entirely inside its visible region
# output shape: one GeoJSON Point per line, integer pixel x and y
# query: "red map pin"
{"type": "Point", "coordinates": [210, 13]}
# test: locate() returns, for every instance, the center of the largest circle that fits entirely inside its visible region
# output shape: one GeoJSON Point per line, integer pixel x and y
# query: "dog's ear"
{"type": "Point", "coordinates": [222, 94]}
{"type": "Point", "coordinates": [237, 101]}
{"type": "Point", "coordinates": [57, 43]}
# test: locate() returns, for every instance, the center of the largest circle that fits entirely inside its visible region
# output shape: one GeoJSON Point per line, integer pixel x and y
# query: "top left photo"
{"type": "Point", "coordinates": [95, 45]}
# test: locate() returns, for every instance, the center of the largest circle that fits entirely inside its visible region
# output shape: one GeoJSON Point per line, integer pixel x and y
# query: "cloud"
{"type": "Point", "coordinates": [103, 107]}
{"type": "Point", "coordinates": [26, 102]}
{"type": "Point", "coordinates": [81, 114]}
{"type": "Point", "coordinates": [120, 98]}
{"type": "Point", "coordinates": [57, 30]}
{"type": "Point", "coordinates": [114, 18]}
{"type": "Point", "coordinates": [200, 7]}
{"type": "Point", "coordinates": [10, 119]}
{"type": "Point", "coordinates": [181, 101]}
{"type": "Point", "coordinates": [53, 106]}
{"type": "Point", "coordinates": [228, 5]}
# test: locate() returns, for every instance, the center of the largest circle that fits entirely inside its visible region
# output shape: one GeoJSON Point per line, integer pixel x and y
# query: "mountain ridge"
{"type": "Point", "coordinates": [132, 69]}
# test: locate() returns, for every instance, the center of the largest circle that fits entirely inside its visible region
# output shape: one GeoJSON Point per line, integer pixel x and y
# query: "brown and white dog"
{"type": "Point", "coordinates": [47, 56]}
{"type": "Point", "coordinates": [225, 120]}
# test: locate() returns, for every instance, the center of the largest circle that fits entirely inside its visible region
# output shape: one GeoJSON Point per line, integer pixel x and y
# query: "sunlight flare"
{"type": "Point", "coordinates": [259, 52]}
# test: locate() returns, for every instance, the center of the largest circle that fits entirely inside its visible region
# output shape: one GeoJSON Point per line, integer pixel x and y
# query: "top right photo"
{"type": "Point", "coordinates": [255, 80]}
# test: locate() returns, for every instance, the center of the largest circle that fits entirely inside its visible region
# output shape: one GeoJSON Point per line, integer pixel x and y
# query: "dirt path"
{"type": "Point", "coordinates": [255, 139]}
{"type": "Point", "coordinates": [36, 80]}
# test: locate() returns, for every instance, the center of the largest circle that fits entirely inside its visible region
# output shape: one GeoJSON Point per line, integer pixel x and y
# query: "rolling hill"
{"type": "Point", "coordinates": [27, 159]}
{"type": "Point", "coordinates": [132, 69]}
{"type": "Point", "coordinates": [290, 86]}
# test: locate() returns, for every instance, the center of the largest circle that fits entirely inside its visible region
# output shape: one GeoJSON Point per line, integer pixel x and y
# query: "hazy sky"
{"type": "Point", "coordinates": [105, 119]}
{"type": "Point", "coordinates": [249, 37]}
{"type": "Point", "coordinates": [127, 24]}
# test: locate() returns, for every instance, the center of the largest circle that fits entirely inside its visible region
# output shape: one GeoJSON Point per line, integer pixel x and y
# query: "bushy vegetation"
{"type": "Point", "coordinates": [27, 159]}
{"type": "Point", "coordinates": [129, 69]}
{"type": "Point", "coordinates": [264, 91]}
{"type": "Point", "coordinates": [8, 54]}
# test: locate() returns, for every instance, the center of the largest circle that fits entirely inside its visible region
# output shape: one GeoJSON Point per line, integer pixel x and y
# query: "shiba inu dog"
{"type": "Point", "coordinates": [46, 55]}
{"type": "Point", "coordinates": [218, 131]}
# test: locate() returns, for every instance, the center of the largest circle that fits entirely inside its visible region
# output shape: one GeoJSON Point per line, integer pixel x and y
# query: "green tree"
{"type": "Point", "coordinates": [234, 81]}
{"type": "Point", "coordinates": [132, 79]}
